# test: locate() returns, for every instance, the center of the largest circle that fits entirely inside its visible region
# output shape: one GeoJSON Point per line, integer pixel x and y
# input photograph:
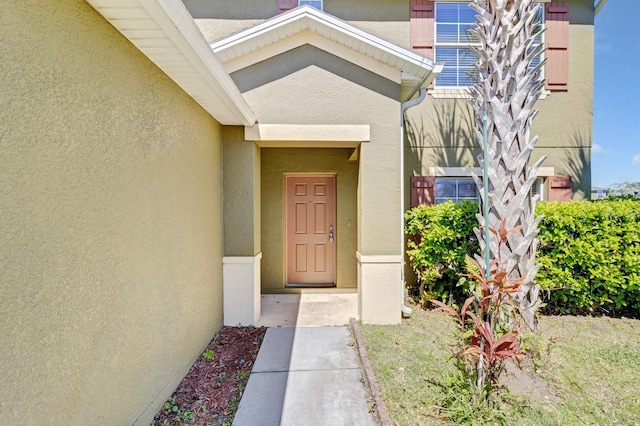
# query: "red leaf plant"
{"type": "Point", "coordinates": [489, 312]}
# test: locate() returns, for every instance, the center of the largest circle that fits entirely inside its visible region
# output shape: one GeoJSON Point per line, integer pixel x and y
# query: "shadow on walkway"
{"type": "Point", "coordinates": [307, 371]}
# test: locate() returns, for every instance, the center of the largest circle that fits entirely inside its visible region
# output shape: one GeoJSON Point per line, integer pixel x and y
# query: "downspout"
{"type": "Point", "coordinates": [406, 311]}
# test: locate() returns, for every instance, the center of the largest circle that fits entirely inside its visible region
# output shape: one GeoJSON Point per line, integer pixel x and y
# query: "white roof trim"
{"type": "Point", "coordinates": [165, 32]}
{"type": "Point", "coordinates": [313, 39]}
{"type": "Point", "coordinates": [309, 132]}
{"type": "Point", "coordinates": [307, 18]}
{"type": "Point", "coordinates": [598, 6]}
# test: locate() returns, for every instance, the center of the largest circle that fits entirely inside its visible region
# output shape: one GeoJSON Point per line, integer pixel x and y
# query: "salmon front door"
{"type": "Point", "coordinates": [310, 230]}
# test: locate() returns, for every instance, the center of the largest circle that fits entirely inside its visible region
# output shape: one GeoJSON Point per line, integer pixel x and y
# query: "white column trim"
{"type": "Point", "coordinates": [378, 258]}
{"type": "Point", "coordinates": [241, 289]}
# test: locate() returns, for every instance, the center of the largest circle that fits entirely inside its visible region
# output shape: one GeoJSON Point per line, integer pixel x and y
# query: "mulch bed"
{"type": "Point", "coordinates": [211, 391]}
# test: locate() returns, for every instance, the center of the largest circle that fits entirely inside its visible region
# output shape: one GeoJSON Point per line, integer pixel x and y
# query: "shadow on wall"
{"type": "Point", "coordinates": [447, 142]}
{"type": "Point", "coordinates": [578, 164]}
{"type": "Point", "coordinates": [576, 156]}
{"type": "Point", "coordinates": [300, 58]}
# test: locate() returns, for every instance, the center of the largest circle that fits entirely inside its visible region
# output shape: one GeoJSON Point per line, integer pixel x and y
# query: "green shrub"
{"type": "Point", "coordinates": [589, 252]}
{"type": "Point", "coordinates": [590, 256]}
{"type": "Point", "coordinates": [439, 238]}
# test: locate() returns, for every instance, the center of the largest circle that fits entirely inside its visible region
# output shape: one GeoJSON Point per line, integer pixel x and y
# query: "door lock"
{"type": "Point", "coordinates": [330, 233]}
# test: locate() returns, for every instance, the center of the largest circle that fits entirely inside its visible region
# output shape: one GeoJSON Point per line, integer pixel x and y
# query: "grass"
{"type": "Point", "coordinates": [589, 366]}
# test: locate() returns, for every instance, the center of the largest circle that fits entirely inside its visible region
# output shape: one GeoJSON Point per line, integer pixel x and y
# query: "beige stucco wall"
{"type": "Point", "coordinates": [275, 163]}
{"type": "Point", "coordinates": [220, 18]}
{"type": "Point", "coordinates": [439, 131]}
{"type": "Point", "coordinates": [388, 19]}
{"type": "Point", "coordinates": [111, 224]}
{"type": "Point", "coordinates": [310, 86]}
{"type": "Point", "coordinates": [241, 194]}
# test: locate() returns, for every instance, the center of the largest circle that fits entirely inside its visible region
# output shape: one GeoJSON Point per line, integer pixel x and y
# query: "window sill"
{"type": "Point", "coordinates": [463, 93]}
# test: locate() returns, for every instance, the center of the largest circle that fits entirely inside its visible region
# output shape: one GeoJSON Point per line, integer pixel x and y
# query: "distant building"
{"type": "Point", "coordinates": [598, 193]}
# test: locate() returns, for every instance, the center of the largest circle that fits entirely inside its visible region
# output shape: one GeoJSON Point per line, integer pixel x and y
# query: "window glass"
{"type": "Point", "coordinates": [445, 188]}
{"type": "Point", "coordinates": [538, 26]}
{"type": "Point", "coordinates": [456, 190]}
{"type": "Point", "coordinates": [453, 21]}
{"type": "Point", "coordinates": [314, 3]}
{"type": "Point", "coordinates": [453, 43]}
{"type": "Point", "coordinates": [538, 188]}
{"type": "Point", "coordinates": [467, 188]}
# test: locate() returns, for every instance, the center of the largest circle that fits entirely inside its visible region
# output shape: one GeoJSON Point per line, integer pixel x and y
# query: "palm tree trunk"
{"type": "Point", "coordinates": [507, 87]}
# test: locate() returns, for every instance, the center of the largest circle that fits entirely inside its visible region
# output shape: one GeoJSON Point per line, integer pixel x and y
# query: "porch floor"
{"type": "Point", "coordinates": [308, 309]}
{"type": "Point", "coordinates": [307, 371]}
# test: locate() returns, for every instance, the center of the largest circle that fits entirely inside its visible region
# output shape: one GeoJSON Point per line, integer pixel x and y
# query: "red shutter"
{"type": "Point", "coordinates": [423, 190]}
{"type": "Point", "coordinates": [560, 188]}
{"type": "Point", "coordinates": [284, 5]}
{"type": "Point", "coordinates": [556, 69]}
{"type": "Point", "coordinates": [422, 27]}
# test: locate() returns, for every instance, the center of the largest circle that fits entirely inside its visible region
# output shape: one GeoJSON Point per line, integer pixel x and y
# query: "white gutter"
{"type": "Point", "coordinates": [599, 6]}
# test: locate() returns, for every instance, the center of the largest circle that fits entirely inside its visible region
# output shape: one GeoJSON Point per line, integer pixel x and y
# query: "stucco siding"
{"type": "Point", "coordinates": [111, 224]}
{"type": "Point", "coordinates": [275, 163]}
{"type": "Point", "coordinates": [241, 194]}
{"type": "Point", "coordinates": [439, 131]}
{"type": "Point", "coordinates": [388, 19]}
{"type": "Point", "coordinates": [310, 86]}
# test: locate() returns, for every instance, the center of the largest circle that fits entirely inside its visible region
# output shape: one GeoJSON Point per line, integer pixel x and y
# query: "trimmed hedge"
{"type": "Point", "coordinates": [589, 252]}
{"type": "Point", "coordinates": [439, 238]}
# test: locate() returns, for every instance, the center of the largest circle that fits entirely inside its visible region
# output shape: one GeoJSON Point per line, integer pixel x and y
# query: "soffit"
{"type": "Point", "coordinates": [306, 24]}
{"type": "Point", "coordinates": [165, 32]}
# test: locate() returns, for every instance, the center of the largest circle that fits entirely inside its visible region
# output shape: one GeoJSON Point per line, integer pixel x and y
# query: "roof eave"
{"type": "Point", "coordinates": [598, 6]}
{"type": "Point", "coordinates": [198, 71]}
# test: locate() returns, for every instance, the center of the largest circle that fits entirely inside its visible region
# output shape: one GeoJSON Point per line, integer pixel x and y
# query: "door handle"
{"type": "Point", "coordinates": [330, 233]}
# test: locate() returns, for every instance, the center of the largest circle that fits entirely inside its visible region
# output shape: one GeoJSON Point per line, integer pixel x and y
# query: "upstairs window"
{"type": "Point", "coordinates": [286, 5]}
{"type": "Point", "coordinates": [313, 3]}
{"type": "Point", "coordinates": [453, 43]}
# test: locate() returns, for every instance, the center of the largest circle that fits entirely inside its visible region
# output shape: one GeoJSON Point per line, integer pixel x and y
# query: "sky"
{"type": "Point", "coordinates": [616, 109]}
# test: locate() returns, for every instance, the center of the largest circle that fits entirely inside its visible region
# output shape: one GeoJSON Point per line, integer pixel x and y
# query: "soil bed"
{"type": "Point", "coordinates": [211, 391]}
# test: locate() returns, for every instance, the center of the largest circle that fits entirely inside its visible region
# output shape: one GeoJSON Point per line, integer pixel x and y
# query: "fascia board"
{"type": "Point", "coordinates": [183, 31]}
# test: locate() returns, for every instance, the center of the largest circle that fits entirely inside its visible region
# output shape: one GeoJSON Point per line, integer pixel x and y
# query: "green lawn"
{"type": "Point", "coordinates": [589, 369]}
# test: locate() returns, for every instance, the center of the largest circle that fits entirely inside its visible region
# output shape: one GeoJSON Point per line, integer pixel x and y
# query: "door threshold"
{"type": "Point", "coordinates": [311, 285]}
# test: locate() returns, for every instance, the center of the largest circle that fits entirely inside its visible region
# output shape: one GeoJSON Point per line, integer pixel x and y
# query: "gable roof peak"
{"type": "Point", "coordinates": [309, 20]}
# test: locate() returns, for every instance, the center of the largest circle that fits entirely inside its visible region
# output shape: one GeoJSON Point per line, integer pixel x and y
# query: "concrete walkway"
{"type": "Point", "coordinates": [306, 375]}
